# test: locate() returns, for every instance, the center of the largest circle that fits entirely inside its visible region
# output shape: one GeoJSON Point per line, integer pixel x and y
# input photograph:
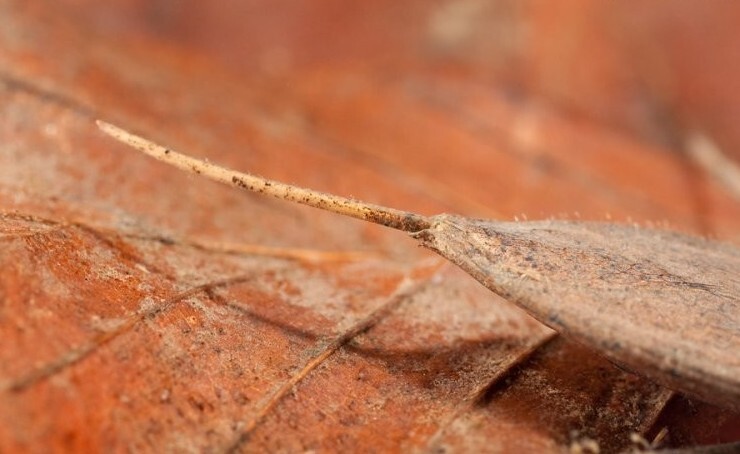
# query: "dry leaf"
{"type": "Point", "coordinates": [175, 316]}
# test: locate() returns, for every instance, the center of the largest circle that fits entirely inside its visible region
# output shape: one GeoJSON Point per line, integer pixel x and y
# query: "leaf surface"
{"type": "Point", "coordinates": [144, 310]}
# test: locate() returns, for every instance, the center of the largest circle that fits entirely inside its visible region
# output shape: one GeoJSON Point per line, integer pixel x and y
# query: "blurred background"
{"type": "Point", "coordinates": [656, 70]}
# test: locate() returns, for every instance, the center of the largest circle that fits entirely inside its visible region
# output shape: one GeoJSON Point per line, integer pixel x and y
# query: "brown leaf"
{"type": "Point", "coordinates": [175, 316]}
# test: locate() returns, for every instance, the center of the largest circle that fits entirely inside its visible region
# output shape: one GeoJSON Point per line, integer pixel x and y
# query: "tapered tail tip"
{"type": "Point", "coordinates": [108, 128]}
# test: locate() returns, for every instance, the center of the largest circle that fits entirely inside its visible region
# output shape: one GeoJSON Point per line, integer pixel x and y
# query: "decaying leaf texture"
{"type": "Point", "coordinates": [94, 235]}
{"type": "Point", "coordinates": [662, 304]}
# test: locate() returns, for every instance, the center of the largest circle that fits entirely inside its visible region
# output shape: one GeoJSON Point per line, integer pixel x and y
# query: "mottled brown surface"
{"type": "Point", "coordinates": [143, 310]}
{"type": "Point", "coordinates": [662, 304]}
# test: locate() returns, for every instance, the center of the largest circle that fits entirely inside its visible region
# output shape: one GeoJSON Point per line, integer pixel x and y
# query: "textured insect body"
{"type": "Point", "coordinates": [644, 298]}
{"type": "Point", "coordinates": [664, 305]}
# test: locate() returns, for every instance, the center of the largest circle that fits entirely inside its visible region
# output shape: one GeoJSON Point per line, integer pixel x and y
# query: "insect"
{"type": "Point", "coordinates": [662, 304]}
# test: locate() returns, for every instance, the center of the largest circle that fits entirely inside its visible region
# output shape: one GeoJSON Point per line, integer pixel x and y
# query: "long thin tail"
{"type": "Point", "coordinates": [389, 217]}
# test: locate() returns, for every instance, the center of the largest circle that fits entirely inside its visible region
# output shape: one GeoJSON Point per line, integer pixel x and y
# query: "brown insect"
{"type": "Point", "coordinates": [662, 304]}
